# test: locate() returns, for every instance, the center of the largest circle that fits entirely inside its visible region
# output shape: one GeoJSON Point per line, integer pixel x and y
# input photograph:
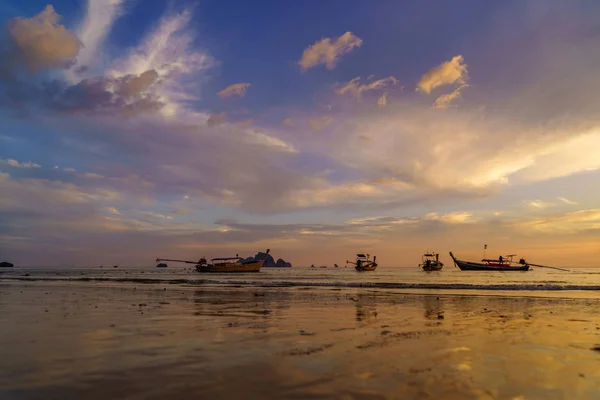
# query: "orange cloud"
{"type": "Point", "coordinates": [237, 89]}
{"type": "Point", "coordinates": [42, 43]}
{"type": "Point", "coordinates": [447, 73]}
{"type": "Point", "coordinates": [328, 51]}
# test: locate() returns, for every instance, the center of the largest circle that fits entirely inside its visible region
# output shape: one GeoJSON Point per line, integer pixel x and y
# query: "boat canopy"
{"type": "Point", "coordinates": [361, 255]}
{"type": "Point", "coordinates": [226, 258]}
{"type": "Point", "coordinates": [428, 255]}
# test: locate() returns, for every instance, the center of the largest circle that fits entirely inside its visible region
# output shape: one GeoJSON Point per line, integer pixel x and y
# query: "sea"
{"type": "Point", "coordinates": [577, 282]}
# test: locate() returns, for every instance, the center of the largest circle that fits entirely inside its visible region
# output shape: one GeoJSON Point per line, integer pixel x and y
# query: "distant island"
{"type": "Point", "coordinates": [5, 264]}
{"type": "Point", "coordinates": [270, 261]}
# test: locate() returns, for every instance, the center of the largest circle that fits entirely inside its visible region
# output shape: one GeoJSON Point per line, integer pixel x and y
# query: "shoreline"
{"type": "Point", "coordinates": [499, 290]}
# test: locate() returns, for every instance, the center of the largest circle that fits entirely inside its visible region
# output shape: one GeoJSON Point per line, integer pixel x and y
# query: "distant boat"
{"type": "Point", "coordinates": [115, 266]}
{"type": "Point", "coordinates": [500, 264]}
{"type": "Point", "coordinates": [323, 266]}
{"type": "Point", "coordinates": [224, 264]}
{"type": "Point", "coordinates": [363, 263]}
{"type": "Point", "coordinates": [6, 264]}
{"type": "Point", "coordinates": [161, 265]}
{"type": "Point", "coordinates": [431, 262]}
{"type": "Point", "coordinates": [335, 266]}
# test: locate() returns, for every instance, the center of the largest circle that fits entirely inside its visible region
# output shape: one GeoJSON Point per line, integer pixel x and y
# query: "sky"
{"type": "Point", "coordinates": [132, 129]}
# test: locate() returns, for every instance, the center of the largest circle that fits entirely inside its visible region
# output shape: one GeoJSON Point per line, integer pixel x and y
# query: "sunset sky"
{"type": "Point", "coordinates": [133, 129]}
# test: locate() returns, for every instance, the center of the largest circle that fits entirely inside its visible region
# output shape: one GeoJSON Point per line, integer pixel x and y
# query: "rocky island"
{"type": "Point", "coordinates": [269, 261]}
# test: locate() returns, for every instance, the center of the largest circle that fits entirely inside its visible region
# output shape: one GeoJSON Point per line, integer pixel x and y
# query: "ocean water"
{"type": "Point", "coordinates": [576, 282]}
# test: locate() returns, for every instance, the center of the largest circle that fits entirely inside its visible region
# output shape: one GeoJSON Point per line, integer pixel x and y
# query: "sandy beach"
{"type": "Point", "coordinates": [63, 340]}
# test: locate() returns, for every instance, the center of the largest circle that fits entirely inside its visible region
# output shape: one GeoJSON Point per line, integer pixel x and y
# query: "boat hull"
{"type": "Point", "coordinates": [231, 267]}
{"type": "Point", "coordinates": [434, 266]}
{"type": "Point", "coordinates": [367, 268]}
{"type": "Point", "coordinates": [471, 266]}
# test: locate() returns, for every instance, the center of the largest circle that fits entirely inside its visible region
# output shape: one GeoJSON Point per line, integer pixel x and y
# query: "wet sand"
{"type": "Point", "coordinates": [86, 340]}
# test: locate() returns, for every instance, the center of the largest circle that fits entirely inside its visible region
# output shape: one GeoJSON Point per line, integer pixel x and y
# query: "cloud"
{"type": "Point", "coordinates": [445, 100]}
{"type": "Point", "coordinates": [447, 73]}
{"type": "Point", "coordinates": [356, 89]}
{"type": "Point", "coordinates": [567, 201]}
{"type": "Point", "coordinates": [320, 123]}
{"type": "Point", "coordinates": [129, 95]}
{"type": "Point", "coordinates": [571, 154]}
{"type": "Point", "coordinates": [113, 210]}
{"type": "Point", "coordinates": [216, 119]}
{"type": "Point", "coordinates": [168, 50]}
{"type": "Point", "coordinates": [41, 43]}
{"type": "Point", "coordinates": [93, 31]}
{"type": "Point", "coordinates": [17, 164]}
{"type": "Point", "coordinates": [451, 218]}
{"type": "Point", "coordinates": [572, 222]}
{"type": "Point", "coordinates": [263, 139]}
{"type": "Point", "coordinates": [539, 204]}
{"type": "Point", "coordinates": [382, 101]}
{"type": "Point", "coordinates": [237, 89]}
{"type": "Point", "coordinates": [328, 51]}
{"type": "Point", "coordinates": [154, 215]}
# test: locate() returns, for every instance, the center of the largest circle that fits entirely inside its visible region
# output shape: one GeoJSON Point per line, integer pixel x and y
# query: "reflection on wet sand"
{"type": "Point", "coordinates": [366, 309]}
{"type": "Point", "coordinates": [272, 343]}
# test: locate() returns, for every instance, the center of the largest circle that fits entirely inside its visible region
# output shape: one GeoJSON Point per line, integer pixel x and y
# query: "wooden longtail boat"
{"type": "Point", "coordinates": [431, 262]}
{"type": "Point", "coordinates": [501, 264]}
{"type": "Point", "coordinates": [224, 264]}
{"type": "Point", "coordinates": [363, 263]}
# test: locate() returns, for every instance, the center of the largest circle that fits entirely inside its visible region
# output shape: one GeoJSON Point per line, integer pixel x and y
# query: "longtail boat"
{"type": "Point", "coordinates": [224, 264]}
{"type": "Point", "coordinates": [363, 263]}
{"type": "Point", "coordinates": [431, 262]}
{"type": "Point", "coordinates": [499, 264]}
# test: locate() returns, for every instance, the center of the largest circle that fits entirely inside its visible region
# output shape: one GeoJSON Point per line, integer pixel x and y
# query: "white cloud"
{"type": "Point", "coordinates": [328, 51]}
{"type": "Point", "coordinates": [572, 154]}
{"type": "Point", "coordinates": [356, 89]}
{"type": "Point", "coordinates": [17, 164]}
{"type": "Point", "coordinates": [567, 201]}
{"type": "Point", "coordinates": [99, 19]}
{"type": "Point", "coordinates": [237, 89]}
{"type": "Point", "coordinates": [92, 175]}
{"type": "Point", "coordinates": [571, 222]}
{"type": "Point", "coordinates": [113, 210]}
{"type": "Point", "coordinates": [168, 51]}
{"type": "Point", "coordinates": [155, 215]}
{"type": "Point", "coordinates": [539, 204]}
{"type": "Point", "coordinates": [447, 73]}
{"type": "Point", "coordinates": [263, 139]}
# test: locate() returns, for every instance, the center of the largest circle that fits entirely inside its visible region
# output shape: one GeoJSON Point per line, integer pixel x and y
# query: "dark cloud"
{"type": "Point", "coordinates": [216, 119]}
{"type": "Point", "coordinates": [127, 95]}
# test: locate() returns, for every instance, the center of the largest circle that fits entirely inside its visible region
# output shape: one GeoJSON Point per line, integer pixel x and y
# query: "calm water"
{"type": "Point", "coordinates": [574, 282]}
